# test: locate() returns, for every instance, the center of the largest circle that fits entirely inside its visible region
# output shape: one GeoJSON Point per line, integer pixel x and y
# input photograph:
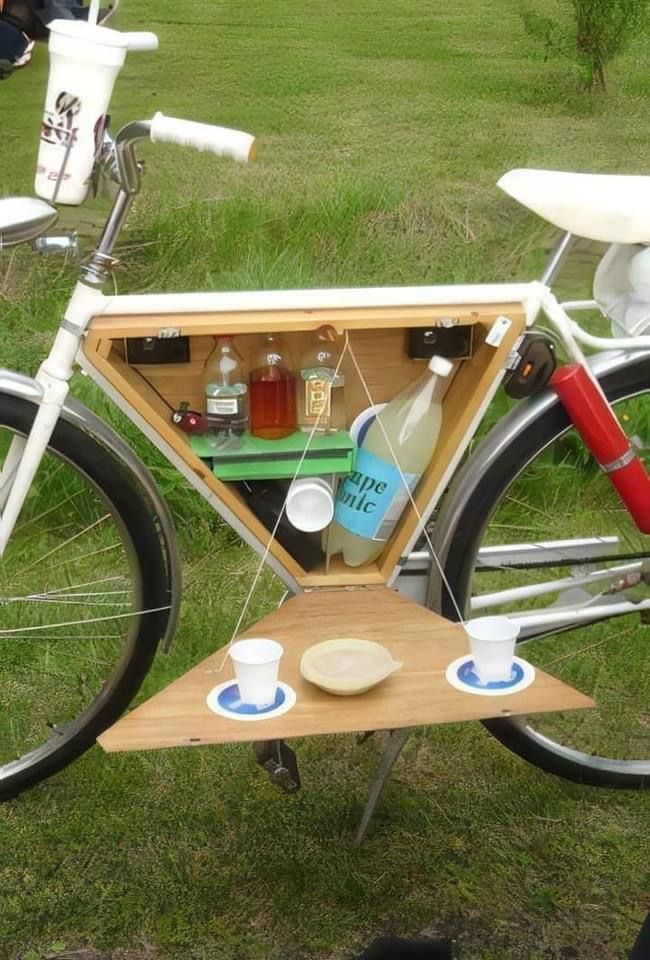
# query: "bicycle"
{"type": "Point", "coordinates": [74, 495]}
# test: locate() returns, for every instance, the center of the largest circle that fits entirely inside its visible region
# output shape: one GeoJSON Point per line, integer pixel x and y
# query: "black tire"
{"type": "Point", "coordinates": [138, 529]}
{"type": "Point", "coordinates": [515, 733]}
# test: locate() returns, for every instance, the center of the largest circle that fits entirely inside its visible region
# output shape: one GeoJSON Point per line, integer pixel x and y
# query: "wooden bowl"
{"type": "Point", "coordinates": [347, 666]}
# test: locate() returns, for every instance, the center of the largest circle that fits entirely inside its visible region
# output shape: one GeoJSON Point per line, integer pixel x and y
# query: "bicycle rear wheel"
{"type": "Point", "coordinates": [83, 602]}
{"type": "Point", "coordinates": [542, 531]}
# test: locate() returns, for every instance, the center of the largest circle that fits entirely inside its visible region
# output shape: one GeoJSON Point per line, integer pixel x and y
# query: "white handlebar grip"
{"type": "Point", "coordinates": [141, 41]}
{"type": "Point", "coordinates": [203, 136]}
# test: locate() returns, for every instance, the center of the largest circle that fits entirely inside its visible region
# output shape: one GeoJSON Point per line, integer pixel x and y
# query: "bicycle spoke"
{"type": "Point", "coordinates": [62, 546]}
{"type": "Point", "coordinates": [74, 600]}
{"type": "Point", "coordinates": [22, 525]}
{"type": "Point", "coordinates": [549, 664]}
{"type": "Point", "coordinates": [95, 636]}
{"type": "Point", "coordinates": [87, 620]}
{"type": "Point", "coordinates": [86, 556]}
{"type": "Point", "coordinates": [87, 583]}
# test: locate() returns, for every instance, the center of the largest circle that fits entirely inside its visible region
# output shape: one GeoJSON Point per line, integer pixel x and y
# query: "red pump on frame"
{"type": "Point", "coordinates": [602, 433]}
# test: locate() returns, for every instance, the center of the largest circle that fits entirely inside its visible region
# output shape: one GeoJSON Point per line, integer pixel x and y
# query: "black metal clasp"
{"type": "Point", "coordinates": [280, 762]}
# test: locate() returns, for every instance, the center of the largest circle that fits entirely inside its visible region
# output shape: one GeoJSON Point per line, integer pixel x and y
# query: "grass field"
{"type": "Point", "coordinates": [383, 129]}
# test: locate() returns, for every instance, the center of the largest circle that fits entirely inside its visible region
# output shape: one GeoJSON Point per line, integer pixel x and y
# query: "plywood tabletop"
{"type": "Point", "coordinates": [416, 695]}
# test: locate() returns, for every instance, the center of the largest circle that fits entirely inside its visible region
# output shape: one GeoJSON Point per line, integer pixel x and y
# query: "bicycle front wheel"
{"type": "Point", "coordinates": [544, 536]}
{"type": "Point", "coordinates": [83, 601]}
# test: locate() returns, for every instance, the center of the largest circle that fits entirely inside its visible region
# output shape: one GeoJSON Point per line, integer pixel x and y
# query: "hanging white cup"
{"type": "Point", "coordinates": [310, 504]}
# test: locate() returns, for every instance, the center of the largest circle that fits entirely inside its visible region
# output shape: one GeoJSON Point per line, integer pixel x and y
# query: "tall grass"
{"type": "Point", "coordinates": [357, 233]}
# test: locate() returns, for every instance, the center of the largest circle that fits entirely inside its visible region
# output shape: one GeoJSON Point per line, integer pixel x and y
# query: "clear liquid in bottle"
{"type": "Point", "coordinates": [225, 389]}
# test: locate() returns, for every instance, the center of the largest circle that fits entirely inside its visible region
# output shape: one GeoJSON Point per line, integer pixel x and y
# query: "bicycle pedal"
{"type": "Point", "coordinates": [280, 777]}
{"type": "Point", "coordinates": [281, 764]}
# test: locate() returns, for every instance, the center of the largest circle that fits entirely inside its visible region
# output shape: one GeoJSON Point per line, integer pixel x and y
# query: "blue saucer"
{"type": "Point", "coordinates": [468, 678]}
{"type": "Point", "coordinates": [229, 699]}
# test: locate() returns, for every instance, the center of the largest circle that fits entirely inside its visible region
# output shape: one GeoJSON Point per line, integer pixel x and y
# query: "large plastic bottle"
{"type": "Point", "coordinates": [371, 499]}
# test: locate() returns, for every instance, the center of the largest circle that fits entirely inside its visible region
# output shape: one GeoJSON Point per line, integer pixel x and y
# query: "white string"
{"type": "Point", "coordinates": [407, 488]}
{"type": "Point", "coordinates": [267, 548]}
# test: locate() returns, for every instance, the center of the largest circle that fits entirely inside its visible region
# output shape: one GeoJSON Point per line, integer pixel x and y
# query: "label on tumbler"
{"type": "Point", "coordinates": [60, 129]}
{"type": "Point", "coordinates": [60, 124]}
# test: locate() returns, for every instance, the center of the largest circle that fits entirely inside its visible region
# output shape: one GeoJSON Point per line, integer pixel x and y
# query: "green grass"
{"type": "Point", "coordinates": [383, 130]}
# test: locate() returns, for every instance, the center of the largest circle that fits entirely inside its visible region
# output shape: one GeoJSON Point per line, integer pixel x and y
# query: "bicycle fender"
{"type": "Point", "coordinates": [77, 413]}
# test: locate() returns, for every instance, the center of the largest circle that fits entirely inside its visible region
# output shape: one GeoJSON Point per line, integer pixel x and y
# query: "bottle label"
{"type": "Point", "coordinates": [323, 373]}
{"type": "Point", "coordinates": [371, 499]}
{"type": "Point", "coordinates": [317, 399]}
{"type": "Point", "coordinates": [222, 406]}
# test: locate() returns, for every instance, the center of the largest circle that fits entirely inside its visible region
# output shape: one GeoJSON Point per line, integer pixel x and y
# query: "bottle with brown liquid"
{"type": "Point", "coordinates": [272, 391]}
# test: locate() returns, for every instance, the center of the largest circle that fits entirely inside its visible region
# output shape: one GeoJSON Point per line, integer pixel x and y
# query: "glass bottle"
{"type": "Point", "coordinates": [272, 391]}
{"type": "Point", "coordinates": [225, 389]}
{"type": "Point", "coordinates": [319, 390]}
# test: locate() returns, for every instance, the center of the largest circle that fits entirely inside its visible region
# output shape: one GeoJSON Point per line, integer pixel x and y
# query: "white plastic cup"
{"type": "Point", "coordinates": [84, 62]}
{"type": "Point", "coordinates": [256, 664]}
{"type": "Point", "coordinates": [310, 504]}
{"type": "Point", "coordinates": [492, 645]}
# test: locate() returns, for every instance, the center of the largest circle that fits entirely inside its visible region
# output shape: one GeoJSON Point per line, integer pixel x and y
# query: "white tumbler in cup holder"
{"type": "Point", "coordinates": [492, 645]}
{"type": "Point", "coordinates": [256, 664]}
{"type": "Point", "coordinates": [84, 62]}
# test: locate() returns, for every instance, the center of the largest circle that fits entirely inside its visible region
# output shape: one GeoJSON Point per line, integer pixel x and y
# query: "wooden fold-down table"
{"type": "Point", "coordinates": [416, 695]}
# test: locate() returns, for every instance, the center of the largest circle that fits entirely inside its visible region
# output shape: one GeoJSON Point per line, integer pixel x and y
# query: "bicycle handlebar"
{"type": "Point", "coordinates": [222, 141]}
{"type": "Point", "coordinates": [141, 40]}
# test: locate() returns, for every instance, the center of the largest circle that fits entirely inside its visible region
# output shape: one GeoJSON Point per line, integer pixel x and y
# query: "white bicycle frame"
{"type": "Point", "coordinates": [49, 389]}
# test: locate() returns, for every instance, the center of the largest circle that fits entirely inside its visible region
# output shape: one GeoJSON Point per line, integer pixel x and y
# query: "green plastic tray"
{"type": "Point", "coordinates": [250, 458]}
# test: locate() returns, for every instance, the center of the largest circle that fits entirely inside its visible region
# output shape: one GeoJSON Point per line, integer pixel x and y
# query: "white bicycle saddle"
{"type": "Point", "coordinates": [612, 208]}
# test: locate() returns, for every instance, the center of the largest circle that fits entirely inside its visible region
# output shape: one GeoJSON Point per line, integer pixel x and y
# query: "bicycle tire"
{"type": "Point", "coordinates": [465, 540]}
{"type": "Point", "coordinates": [112, 482]}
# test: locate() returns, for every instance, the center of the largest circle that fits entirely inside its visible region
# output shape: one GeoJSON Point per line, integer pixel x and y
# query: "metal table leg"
{"type": "Point", "coordinates": [396, 741]}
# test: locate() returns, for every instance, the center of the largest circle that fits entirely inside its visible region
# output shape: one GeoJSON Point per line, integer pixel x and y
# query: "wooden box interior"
{"type": "Point", "coordinates": [378, 338]}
